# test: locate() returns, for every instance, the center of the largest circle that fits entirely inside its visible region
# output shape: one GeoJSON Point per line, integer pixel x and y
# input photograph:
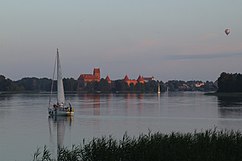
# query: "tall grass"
{"type": "Point", "coordinates": [210, 145]}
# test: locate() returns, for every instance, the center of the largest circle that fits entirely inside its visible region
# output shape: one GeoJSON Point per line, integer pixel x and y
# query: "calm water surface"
{"type": "Point", "coordinates": [24, 123]}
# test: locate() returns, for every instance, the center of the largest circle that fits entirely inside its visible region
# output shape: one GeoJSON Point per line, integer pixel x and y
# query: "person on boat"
{"type": "Point", "coordinates": [70, 107]}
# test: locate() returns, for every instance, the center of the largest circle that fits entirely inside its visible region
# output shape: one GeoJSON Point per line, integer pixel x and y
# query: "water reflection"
{"type": "Point", "coordinates": [57, 126]}
{"type": "Point", "coordinates": [5, 97]}
{"type": "Point", "coordinates": [93, 101]}
{"type": "Point", "coordinates": [230, 107]}
{"type": "Point", "coordinates": [137, 96]}
{"type": "Point", "coordinates": [226, 101]}
{"type": "Point", "coordinates": [24, 124]}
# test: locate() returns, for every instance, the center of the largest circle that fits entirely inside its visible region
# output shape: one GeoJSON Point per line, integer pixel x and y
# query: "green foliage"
{"type": "Point", "coordinates": [44, 156]}
{"type": "Point", "coordinates": [120, 85]}
{"type": "Point", "coordinates": [230, 82]}
{"type": "Point", "coordinates": [103, 86]}
{"type": "Point", "coordinates": [70, 84]}
{"type": "Point", "coordinates": [35, 84]}
{"type": "Point", "coordinates": [7, 84]}
{"type": "Point", "coordinates": [210, 145]}
{"type": "Point", "coordinates": [65, 154]}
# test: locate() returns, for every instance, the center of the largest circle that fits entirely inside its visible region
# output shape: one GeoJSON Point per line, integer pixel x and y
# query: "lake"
{"type": "Point", "coordinates": [25, 125]}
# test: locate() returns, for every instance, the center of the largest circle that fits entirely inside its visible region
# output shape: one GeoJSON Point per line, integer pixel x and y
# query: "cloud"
{"type": "Point", "coordinates": [202, 56]}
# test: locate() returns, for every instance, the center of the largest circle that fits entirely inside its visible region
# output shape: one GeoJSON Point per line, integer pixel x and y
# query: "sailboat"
{"type": "Point", "coordinates": [158, 88]}
{"type": "Point", "coordinates": [60, 108]}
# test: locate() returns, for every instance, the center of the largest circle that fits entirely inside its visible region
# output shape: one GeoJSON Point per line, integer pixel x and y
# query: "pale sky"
{"type": "Point", "coordinates": [167, 39]}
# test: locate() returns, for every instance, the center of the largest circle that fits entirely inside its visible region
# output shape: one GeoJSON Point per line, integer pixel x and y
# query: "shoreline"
{"type": "Point", "coordinates": [229, 94]}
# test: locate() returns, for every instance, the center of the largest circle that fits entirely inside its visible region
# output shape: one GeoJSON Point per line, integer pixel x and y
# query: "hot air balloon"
{"type": "Point", "coordinates": [227, 31]}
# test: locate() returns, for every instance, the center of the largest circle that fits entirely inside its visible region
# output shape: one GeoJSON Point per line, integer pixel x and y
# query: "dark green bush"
{"type": "Point", "coordinates": [210, 145]}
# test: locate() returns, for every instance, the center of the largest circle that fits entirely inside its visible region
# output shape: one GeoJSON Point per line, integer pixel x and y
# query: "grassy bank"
{"type": "Point", "coordinates": [210, 145]}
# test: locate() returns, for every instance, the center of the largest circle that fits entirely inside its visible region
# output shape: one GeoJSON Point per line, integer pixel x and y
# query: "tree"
{"type": "Point", "coordinates": [70, 84]}
{"type": "Point", "coordinates": [104, 86]}
{"type": "Point", "coordinates": [230, 82]}
{"type": "Point", "coordinates": [5, 84]}
{"type": "Point", "coordinates": [140, 87]}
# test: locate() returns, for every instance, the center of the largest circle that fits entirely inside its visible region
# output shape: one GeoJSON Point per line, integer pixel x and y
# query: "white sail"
{"type": "Point", "coordinates": [60, 88]}
{"type": "Point", "coordinates": [60, 108]}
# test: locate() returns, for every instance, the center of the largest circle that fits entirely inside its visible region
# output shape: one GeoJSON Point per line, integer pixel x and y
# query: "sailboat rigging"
{"type": "Point", "coordinates": [59, 108]}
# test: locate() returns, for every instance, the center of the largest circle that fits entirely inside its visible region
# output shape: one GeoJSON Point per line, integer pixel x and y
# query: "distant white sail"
{"type": "Point", "coordinates": [60, 87]}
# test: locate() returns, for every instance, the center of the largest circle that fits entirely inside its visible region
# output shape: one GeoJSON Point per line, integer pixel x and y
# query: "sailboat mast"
{"type": "Point", "coordinates": [52, 83]}
{"type": "Point", "coordinates": [60, 88]}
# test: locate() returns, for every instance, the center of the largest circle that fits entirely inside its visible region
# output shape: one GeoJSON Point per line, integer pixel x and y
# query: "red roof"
{"type": "Point", "coordinates": [91, 77]}
{"type": "Point", "coordinates": [126, 78]}
{"type": "Point", "coordinates": [107, 78]}
{"type": "Point", "coordinates": [148, 78]}
{"type": "Point", "coordinates": [87, 76]}
{"type": "Point", "coordinates": [140, 79]}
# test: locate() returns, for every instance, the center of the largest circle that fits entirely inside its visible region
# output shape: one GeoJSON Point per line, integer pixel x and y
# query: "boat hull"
{"type": "Point", "coordinates": [60, 112]}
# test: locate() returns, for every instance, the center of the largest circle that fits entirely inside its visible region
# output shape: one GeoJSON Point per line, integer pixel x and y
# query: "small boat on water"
{"type": "Point", "coordinates": [60, 108]}
{"type": "Point", "coordinates": [158, 88]}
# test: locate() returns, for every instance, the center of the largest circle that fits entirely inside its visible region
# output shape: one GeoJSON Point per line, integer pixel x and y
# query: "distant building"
{"type": "Point", "coordinates": [133, 81]}
{"type": "Point", "coordinates": [147, 79]}
{"type": "Point", "coordinates": [141, 79]}
{"type": "Point", "coordinates": [86, 78]}
{"type": "Point", "coordinates": [199, 84]}
{"type": "Point", "coordinates": [108, 79]}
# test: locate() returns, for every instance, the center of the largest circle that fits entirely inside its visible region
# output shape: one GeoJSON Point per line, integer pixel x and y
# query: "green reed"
{"type": "Point", "coordinates": [209, 145]}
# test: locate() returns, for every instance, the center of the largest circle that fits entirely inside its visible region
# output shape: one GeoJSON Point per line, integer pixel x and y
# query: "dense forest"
{"type": "Point", "coordinates": [228, 82]}
{"type": "Point", "coordinates": [33, 84]}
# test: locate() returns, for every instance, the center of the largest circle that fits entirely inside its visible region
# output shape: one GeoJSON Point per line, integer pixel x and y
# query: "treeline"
{"type": "Point", "coordinates": [179, 85]}
{"type": "Point", "coordinates": [70, 84]}
{"type": "Point", "coordinates": [35, 84]}
{"type": "Point", "coordinates": [121, 86]}
{"type": "Point", "coordinates": [228, 82]}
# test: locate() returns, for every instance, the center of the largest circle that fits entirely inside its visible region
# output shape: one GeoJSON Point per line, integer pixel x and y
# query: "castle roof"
{"type": "Point", "coordinates": [149, 78]}
{"type": "Point", "coordinates": [126, 78]}
{"type": "Point", "coordinates": [140, 79]}
{"type": "Point", "coordinates": [107, 78]}
{"type": "Point", "coordinates": [87, 76]}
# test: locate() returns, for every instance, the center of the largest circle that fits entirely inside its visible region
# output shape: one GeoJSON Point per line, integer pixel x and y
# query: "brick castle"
{"type": "Point", "coordinates": [96, 76]}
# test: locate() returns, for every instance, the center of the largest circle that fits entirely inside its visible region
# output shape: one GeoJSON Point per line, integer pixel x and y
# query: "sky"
{"type": "Point", "coordinates": [167, 39]}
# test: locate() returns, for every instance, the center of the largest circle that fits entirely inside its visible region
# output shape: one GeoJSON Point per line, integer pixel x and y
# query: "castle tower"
{"type": "Point", "coordinates": [96, 73]}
